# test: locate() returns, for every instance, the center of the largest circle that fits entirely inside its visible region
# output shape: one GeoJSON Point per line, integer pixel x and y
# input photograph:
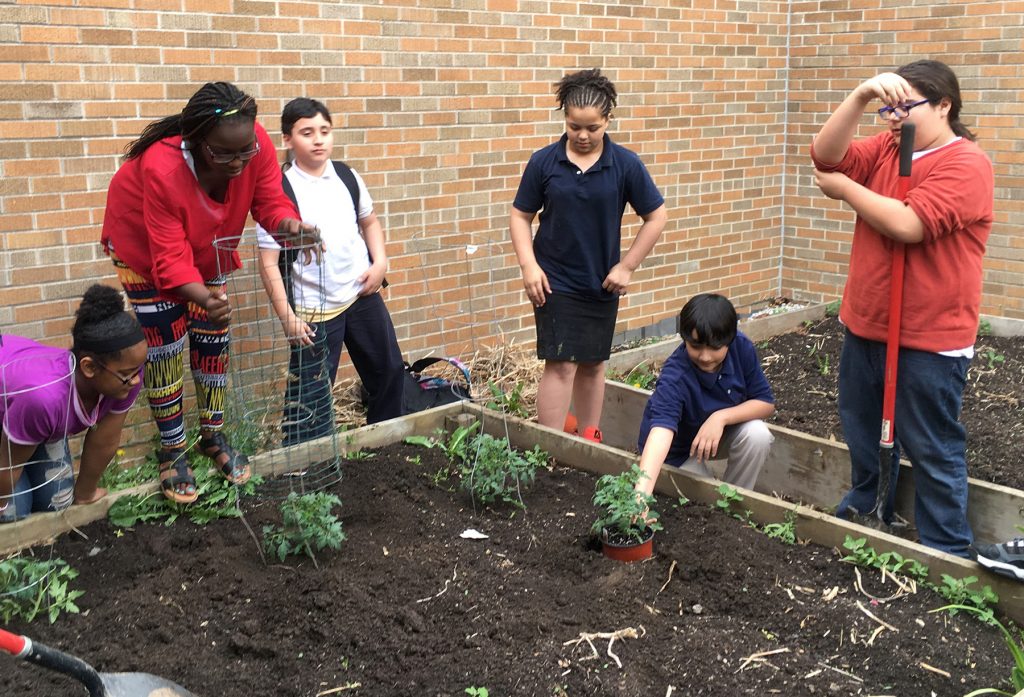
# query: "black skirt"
{"type": "Point", "coordinates": [570, 328]}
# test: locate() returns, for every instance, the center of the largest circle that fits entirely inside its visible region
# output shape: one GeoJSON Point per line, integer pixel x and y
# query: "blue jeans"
{"type": "Point", "coordinates": [47, 483]}
{"type": "Point", "coordinates": [929, 393]}
{"type": "Point", "coordinates": [365, 329]}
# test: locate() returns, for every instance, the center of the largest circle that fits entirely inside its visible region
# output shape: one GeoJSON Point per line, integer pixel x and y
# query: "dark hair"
{"type": "Point", "coordinates": [587, 88]}
{"type": "Point", "coordinates": [101, 323]}
{"type": "Point", "coordinates": [936, 81]}
{"type": "Point", "coordinates": [302, 108]}
{"type": "Point", "coordinates": [214, 103]}
{"type": "Point", "coordinates": [713, 318]}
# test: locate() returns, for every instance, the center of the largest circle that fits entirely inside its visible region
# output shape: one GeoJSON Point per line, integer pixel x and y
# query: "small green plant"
{"type": "Point", "coordinates": [218, 498]}
{"type": "Point", "coordinates": [508, 402]}
{"type": "Point", "coordinates": [984, 327]}
{"type": "Point", "coordinates": [454, 446]}
{"type": "Point", "coordinates": [492, 471]}
{"type": "Point", "coordinates": [627, 512]}
{"type": "Point", "coordinates": [1016, 650]}
{"type": "Point", "coordinates": [992, 358]}
{"type": "Point", "coordinates": [863, 555]}
{"type": "Point", "coordinates": [116, 477]}
{"type": "Point", "coordinates": [30, 588]}
{"type": "Point", "coordinates": [960, 593]}
{"type": "Point", "coordinates": [728, 502]}
{"type": "Point", "coordinates": [823, 363]}
{"type": "Point", "coordinates": [360, 455]}
{"type": "Point", "coordinates": [641, 376]}
{"type": "Point", "coordinates": [784, 532]}
{"type": "Point", "coordinates": [832, 308]}
{"type": "Point", "coordinates": [308, 523]}
{"type": "Point", "coordinates": [477, 691]}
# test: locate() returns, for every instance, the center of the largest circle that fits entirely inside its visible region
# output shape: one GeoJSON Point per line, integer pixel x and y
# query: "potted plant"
{"type": "Point", "coordinates": [627, 524]}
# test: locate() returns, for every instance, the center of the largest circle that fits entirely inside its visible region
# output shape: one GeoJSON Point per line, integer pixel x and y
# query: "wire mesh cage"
{"type": "Point", "coordinates": [279, 397]}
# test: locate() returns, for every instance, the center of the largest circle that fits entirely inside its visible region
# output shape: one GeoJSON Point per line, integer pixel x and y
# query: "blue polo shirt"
{"type": "Point", "coordinates": [579, 239]}
{"type": "Point", "coordinates": [686, 396]}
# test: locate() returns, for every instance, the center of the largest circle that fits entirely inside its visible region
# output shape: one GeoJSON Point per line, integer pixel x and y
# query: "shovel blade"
{"type": "Point", "coordinates": [141, 685]}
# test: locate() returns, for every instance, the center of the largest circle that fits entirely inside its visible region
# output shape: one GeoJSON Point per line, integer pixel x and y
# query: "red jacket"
{"type": "Point", "coordinates": [163, 225]}
{"type": "Point", "coordinates": [951, 191]}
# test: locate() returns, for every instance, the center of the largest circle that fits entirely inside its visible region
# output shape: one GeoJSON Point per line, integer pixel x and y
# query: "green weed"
{"type": "Point", "coordinates": [992, 358]}
{"type": "Point", "coordinates": [784, 532]}
{"type": "Point", "coordinates": [832, 308]}
{"type": "Point", "coordinates": [727, 502]}
{"type": "Point", "coordinates": [477, 691]}
{"type": "Point", "coordinates": [308, 523]}
{"type": "Point", "coordinates": [508, 402]}
{"type": "Point", "coordinates": [30, 588]}
{"type": "Point", "coordinates": [984, 327]}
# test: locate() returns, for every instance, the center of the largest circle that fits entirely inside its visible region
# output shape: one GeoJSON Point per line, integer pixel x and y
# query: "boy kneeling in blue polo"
{"type": "Point", "coordinates": [710, 400]}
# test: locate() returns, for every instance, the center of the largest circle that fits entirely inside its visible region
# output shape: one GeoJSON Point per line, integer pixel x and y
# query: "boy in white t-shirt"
{"type": "Point", "coordinates": [334, 300]}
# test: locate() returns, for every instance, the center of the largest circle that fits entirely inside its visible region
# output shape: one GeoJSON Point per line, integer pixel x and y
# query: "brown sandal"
{"type": "Point", "coordinates": [235, 468]}
{"type": "Point", "coordinates": [176, 475]}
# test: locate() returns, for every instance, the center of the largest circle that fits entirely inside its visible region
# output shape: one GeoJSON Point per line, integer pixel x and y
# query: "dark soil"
{"type": "Point", "coordinates": [803, 369]}
{"type": "Point", "coordinates": [406, 607]}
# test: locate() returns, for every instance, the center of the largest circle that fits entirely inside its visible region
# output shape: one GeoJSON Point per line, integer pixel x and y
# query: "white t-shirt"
{"type": "Point", "coordinates": [324, 201]}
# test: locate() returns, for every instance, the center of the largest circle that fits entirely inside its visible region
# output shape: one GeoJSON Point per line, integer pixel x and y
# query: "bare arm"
{"type": "Point", "coordinates": [659, 440]}
{"type": "Point", "coordinates": [887, 216]}
{"type": "Point", "coordinates": [297, 332]}
{"type": "Point", "coordinates": [535, 281]}
{"type": "Point", "coordinates": [98, 450]}
{"type": "Point", "coordinates": [619, 276]}
{"type": "Point", "coordinates": [373, 235]}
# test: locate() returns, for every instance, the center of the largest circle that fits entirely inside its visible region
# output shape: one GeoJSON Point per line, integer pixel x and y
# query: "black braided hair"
{"type": "Point", "coordinates": [100, 317]}
{"type": "Point", "coordinates": [587, 88]}
{"type": "Point", "coordinates": [202, 113]}
{"type": "Point", "coordinates": [935, 80]}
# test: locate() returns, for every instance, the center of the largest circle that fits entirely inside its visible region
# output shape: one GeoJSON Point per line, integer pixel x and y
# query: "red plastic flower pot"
{"type": "Point", "coordinates": [628, 551]}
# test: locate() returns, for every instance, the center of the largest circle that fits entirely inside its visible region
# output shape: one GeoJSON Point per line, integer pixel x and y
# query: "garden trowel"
{"type": "Point", "coordinates": [98, 684]}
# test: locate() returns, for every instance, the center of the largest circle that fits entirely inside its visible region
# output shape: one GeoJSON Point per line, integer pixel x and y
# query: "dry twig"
{"type": "Point", "coordinates": [759, 658]}
{"type": "Point", "coordinates": [625, 633]}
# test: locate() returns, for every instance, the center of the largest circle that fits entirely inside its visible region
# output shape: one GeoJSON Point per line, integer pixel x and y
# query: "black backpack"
{"type": "Point", "coordinates": [425, 391]}
{"type": "Point", "coordinates": [289, 255]}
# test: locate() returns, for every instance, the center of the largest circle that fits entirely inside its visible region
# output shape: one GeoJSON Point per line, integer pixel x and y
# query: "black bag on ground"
{"type": "Point", "coordinates": [425, 391]}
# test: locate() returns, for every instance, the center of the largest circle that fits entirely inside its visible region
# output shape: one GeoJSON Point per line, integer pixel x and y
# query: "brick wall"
{"type": "Point", "coordinates": [835, 46]}
{"type": "Point", "coordinates": [439, 105]}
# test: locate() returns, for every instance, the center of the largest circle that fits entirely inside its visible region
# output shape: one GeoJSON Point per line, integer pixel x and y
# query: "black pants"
{"type": "Point", "coordinates": [366, 330]}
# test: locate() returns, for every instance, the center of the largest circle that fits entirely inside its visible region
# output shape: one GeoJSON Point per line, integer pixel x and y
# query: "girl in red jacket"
{"type": "Point", "coordinates": [191, 180]}
{"type": "Point", "coordinates": [944, 221]}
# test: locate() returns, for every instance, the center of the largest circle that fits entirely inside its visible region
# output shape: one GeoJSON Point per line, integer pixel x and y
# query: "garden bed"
{"type": "Point", "coordinates": [407, 607]}
{"type": "Point", "coordinates": [803, 369]}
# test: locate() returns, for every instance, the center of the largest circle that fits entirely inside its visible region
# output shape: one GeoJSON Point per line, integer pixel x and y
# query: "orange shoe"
{"type": "Point", "coordinates": [592, 433]}
{"type": "Point", "coordinates": [570, 424]}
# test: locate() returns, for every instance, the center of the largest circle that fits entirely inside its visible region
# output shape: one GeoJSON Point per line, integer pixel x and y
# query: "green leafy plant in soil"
{"type": "Point", "coordinates": [783, 532]}
{"type": "Point", "coordinates": [961, 592]}
{"type": "Point", "coordinates": [1016, 651]}
{"type": "Point", "coordinates": [642, 376]}
{"type": "Point", "coordinates": [308, 523]}
{"type": "Point", "coordinates": [510, 402]}
{"type": "Point", "coordinates": [492, 471]}
{"type": "Point", "coordinates": [627, 514]}
{"type": "Point", "coordinates": [729, 501]}
{"type": "Point", "coordinates": [31, 588]}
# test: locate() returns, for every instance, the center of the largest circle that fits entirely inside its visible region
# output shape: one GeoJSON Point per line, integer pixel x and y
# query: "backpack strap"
{"type": "Point", "coordinates": [423, 363]}
{"type": "Point", "coordinates": [344, 173]}
{"type": "Point", "coordinates": [289, 255]}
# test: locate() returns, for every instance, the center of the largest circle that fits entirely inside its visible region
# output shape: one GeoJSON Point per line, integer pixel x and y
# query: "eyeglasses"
{"type": "Point", "coordinates": [124, 380]}
{"type": "Point", "coordinates": [901, 111]}
{"type": "Point", "coordinates": [223, 158]}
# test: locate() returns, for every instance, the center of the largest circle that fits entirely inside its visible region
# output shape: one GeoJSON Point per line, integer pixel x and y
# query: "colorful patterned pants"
{"type": "Point", "coordinates": [166, 322]}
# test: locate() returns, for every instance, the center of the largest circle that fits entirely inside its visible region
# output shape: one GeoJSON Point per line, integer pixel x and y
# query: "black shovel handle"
{"type": "Point", "coordinates": [42, 655]}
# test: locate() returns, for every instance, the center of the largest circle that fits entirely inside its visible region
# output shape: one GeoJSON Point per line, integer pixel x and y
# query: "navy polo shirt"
{"type": "Point", "coordinates": [580, 234]}
{"type": "Point", "coordinates": [686, 396]}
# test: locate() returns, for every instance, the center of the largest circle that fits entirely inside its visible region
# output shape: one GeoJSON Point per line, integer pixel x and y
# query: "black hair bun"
{"type": "Point", "coordinates": [99, 303]}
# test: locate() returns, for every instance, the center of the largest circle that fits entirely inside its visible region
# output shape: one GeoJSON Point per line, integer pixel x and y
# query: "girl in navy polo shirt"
{"type": "Point", "coordinates": [711, 399]}
{"type": "Point", "coordinates": [574, 272]}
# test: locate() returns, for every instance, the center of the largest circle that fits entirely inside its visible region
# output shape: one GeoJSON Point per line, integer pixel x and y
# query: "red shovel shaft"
{"type": "Point", "coordinates": [899, 252]}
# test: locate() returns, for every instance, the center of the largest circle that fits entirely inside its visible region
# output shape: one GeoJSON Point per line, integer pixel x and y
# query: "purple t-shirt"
{"type": "Point", "coordinates": [38, 399]}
